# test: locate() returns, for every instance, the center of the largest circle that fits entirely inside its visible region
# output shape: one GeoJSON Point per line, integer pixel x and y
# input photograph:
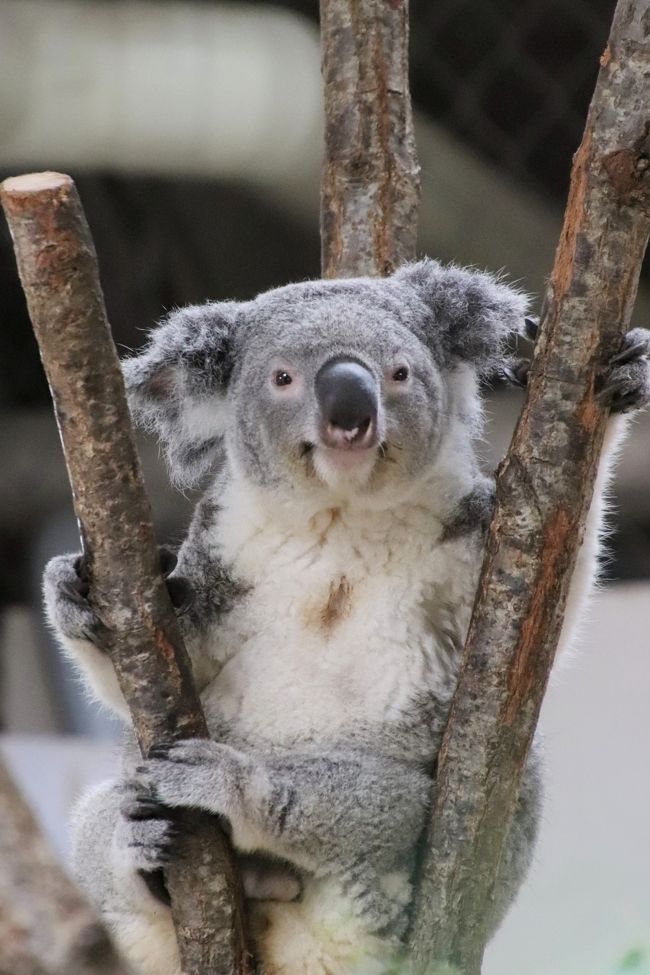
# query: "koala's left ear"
{"type": "Point", "coordinates": [176, 386]}
{"type": "Point", "coordinates": [471, 313]}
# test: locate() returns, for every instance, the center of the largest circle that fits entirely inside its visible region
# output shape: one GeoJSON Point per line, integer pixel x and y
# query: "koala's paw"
{"type": "Point", "coordinates": [626, 385]}
{"type": "Point", "coordinates": [66, 589]}
{"type": "Point", "coordinates": [196, 773]}
{"type": "Point", "coordinates": [66, 586]}
{"type": "Point", "coordinates": [147, 831]}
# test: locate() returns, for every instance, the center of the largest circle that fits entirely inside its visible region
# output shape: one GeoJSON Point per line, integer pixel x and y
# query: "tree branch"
{"type": "Point", "coordinates": [58, 270]}
{"type": "Point", "coordinates": [371, 179]}
{"type": "Point", "coordinates": [544, 489]}
{"type": "Point", "coordinates": [45, 925]}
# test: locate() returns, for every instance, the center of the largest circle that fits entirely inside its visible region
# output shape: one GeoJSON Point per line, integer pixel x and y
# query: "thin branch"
{"type": "Point", "coordinates": [544, 489]}
{"type": "Point", "coordinates": [371, 179]}
{"type": "Point", "coordinates": [45, 924]}
{"type": "Point", "coordinates": [58, 270]}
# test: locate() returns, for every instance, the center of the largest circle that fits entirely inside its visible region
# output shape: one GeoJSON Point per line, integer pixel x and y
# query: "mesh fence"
{"type": "Point", "coordinates": [511, 77]}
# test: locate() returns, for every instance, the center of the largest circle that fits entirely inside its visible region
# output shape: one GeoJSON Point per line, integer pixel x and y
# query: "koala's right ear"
{"type": "Point", "coordinates": [176, 386]}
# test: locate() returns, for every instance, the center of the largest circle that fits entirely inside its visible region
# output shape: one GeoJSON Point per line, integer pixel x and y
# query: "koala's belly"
{"type": "Point", "coordinates": [333, 656]}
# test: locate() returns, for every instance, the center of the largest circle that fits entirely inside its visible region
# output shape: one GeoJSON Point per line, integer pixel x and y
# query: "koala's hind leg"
{"type": "Point", "coordinates": [109, 854]}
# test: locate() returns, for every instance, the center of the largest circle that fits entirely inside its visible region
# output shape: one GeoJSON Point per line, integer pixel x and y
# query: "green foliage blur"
{"type": "Point", "coordinates": [636, 962]}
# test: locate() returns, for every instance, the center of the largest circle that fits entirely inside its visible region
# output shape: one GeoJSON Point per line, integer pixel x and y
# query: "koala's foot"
{"type": "Point", "coordinates": [145, 837]}
{"type": "Point", "coordinates": [626, 385]}
{"type": "Point", "coordinates": [269, 880]}
{"type": "Point", "coordinates": [66, 587]}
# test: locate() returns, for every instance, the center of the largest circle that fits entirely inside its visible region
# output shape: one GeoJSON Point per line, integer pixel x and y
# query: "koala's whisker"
{"type": "Point", "coordinates": [393, 445]}
{"type": "Point", "coordinates": [384, 452]}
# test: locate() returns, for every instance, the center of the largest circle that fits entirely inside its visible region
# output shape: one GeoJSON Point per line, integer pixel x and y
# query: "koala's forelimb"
{"type": "Point", "coordinates": [315, 811]}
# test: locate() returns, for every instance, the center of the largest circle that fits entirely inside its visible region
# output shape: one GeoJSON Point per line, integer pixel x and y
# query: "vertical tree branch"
{"type": "Point", "coordinates": [544, 489]}
{"type": "Point", "coordinates": [58, 270]}
{"type": "Point", "coordinates": [45, 925]}
{"type": "Point", "coordinates": [371, 178]}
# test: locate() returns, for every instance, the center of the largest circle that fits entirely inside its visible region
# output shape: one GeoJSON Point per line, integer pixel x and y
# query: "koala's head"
{"type": "Point", "coordinates": [349, 385]}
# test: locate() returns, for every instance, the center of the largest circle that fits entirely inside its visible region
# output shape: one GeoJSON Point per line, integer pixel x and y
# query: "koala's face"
{"type": "Point", "coordinates": [333, 387]}
{"type": "Point", "coordinates": [347, 386]}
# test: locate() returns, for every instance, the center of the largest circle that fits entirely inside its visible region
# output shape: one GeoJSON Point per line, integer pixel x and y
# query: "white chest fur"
{"type": "Point", "coordinates": [343, 620]}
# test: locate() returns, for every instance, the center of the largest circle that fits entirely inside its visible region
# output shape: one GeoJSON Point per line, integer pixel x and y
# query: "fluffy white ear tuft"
{"type": "Point", "coordinates": [177, 386]}
{"type": "Point", "coordinates": [471, 312]}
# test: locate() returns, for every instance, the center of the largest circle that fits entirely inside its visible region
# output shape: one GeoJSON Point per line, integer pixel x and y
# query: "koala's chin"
{"type": "Point", "coordinates": [345, 471]}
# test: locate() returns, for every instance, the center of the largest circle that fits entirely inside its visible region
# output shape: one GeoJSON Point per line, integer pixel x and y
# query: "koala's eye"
{"type": "Point", "coordinates": [282, 378]}
{"type": "Point", "coordinates": [401, 375]}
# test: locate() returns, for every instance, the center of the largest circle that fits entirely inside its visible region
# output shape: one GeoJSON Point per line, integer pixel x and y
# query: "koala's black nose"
{"type": "Point", "coordinates": [348, 402]}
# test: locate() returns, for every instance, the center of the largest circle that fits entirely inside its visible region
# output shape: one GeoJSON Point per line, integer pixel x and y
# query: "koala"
{"type": "Point", "coordinates": [324, 591]}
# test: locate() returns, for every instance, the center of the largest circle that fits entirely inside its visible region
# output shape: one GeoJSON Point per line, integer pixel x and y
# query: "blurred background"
{"type": "Point", "coordinates": [193, 131]}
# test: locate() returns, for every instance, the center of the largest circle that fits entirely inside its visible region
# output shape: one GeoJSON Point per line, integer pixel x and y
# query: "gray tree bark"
{"type": "Point", "coordinates": [544, 488]}
{"type": "Point", "coordinates": [46, 927]}
{"type": "Point", "coordinates": [58, 271]}
{"type": "Point", "coordinates": [370, 186]}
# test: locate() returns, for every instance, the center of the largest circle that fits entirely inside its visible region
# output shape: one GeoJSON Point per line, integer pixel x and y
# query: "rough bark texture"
{"type": "Point", "coordinates": [370, 185]}
{"type": "Point", "coordinates": [45, 924]}
{"type": "Point", "coordinates": [544, 489]}
{"type": "Point", "coordinates": [58, 270]}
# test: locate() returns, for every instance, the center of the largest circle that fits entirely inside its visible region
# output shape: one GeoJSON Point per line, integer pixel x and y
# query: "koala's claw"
{"type": "Point", "coordinates": [626, 387]}
{"type": "Point", "coordinates": [168, 560]}
{"type": "Point", "coordinates": [144, 807]}
{"type": "Point", "coordinates": [76, 591]}
{"type": "Point", "coordinates": [148, 831]}
{"type": "Point", "coordinates": [531, 327]}
{"type": "Point", "coordinates": [188, 751]}
{"type": "Point", "coordinates": [515, 372]}
{"type": "Point", "coordinates": [636, 344]}
{"type": "Point", "coordinates": [66, 589]}
{"type": "Point", "coordinates": [181, 593]}
{"type": "Point", "coordinates": [179, 588]}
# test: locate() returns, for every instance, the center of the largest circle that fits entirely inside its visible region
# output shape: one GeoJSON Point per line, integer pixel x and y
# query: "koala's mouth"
{"type": "Point", "coordinates": [350, 439]}
{"type": "Point", "coordinates": [353, 461]}
{"type": "Point", "coordinates": [352, 445]}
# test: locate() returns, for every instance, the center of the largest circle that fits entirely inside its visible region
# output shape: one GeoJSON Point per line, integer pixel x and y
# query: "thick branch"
{"type": "Point", "coordinates": [370, 185]}
{"type": "Point", "coordinates": [58, 270]}
{"type": "Point", "coordinates": [45, 925]}
{"type": "Point", "coordinates": [544, 489]}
